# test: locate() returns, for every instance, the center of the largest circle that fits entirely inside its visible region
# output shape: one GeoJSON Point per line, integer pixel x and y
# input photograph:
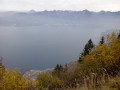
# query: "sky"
{"type": "Point", "coordinates": [75, 5]}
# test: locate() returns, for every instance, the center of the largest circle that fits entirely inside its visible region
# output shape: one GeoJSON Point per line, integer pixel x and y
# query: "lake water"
{"type": "Point", "coordinates": [43, 46]}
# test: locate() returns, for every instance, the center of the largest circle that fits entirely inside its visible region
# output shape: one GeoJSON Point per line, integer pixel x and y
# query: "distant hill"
{"type": "Point", "coordinates": [34, 18]}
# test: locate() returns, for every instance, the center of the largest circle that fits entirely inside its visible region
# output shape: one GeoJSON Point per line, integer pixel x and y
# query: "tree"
{"type": "Point", "coordinates": [13, 80]}
{"type": "Point", "coordinates": [105, 56]}
{"type": "Point", "coordinates": [48, 81]}
{"type": "Point", "coordinates": [88, 47]}
{"type": "Point", "coordinates": [102, 40]}
{"type": "Point", "coordinates": [60, 72]}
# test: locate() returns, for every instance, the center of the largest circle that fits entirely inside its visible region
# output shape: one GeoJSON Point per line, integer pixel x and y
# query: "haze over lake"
{"type": "Point", "coordinates": [40, 40]}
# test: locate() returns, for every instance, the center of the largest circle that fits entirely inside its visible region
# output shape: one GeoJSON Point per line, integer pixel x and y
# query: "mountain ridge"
{"type": "Point", "coordinates": [33, 18]}
{"type": "Point", "coordinates": [60, 11]}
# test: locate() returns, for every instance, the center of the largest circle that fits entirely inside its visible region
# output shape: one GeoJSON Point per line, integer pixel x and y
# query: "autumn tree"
{"type": "Point", "coordinates": [105, 56]}
{"type": "Point", "coordinates": [48, 81]}
{"type": "Point", "coordinates": [13, 80]}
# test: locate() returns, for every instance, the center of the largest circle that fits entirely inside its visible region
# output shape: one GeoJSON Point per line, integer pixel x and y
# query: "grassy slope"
{"type": "Point", "coordinates": [112, 84]}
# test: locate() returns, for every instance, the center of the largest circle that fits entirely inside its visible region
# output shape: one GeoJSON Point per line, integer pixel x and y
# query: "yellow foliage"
{"type": "Point", "coordinates": [13, 80]}
{"type": "Point", "coordinates": [47, 80]}
{"type": "Point", "coordinates": [104, 56]}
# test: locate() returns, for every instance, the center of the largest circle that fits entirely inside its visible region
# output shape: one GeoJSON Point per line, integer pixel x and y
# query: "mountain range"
{"type": "Point", "coordinates": [33, 18]}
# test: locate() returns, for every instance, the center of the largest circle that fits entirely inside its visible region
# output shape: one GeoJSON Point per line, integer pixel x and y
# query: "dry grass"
{"type": "Point", "coordinates": [112, 84]}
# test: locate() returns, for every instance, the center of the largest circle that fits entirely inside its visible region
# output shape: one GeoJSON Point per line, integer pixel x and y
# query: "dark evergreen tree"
{"type": "Point", "coordinates": [88, 47]}
{"type": "Point", "coordinates": [102, 41]}
{"type": "Point", "coordinates": [61, 67]}
{"type": "Point", "coordinates": [57, 68]}
{"type": "Point", "coordinates": [59, 71]}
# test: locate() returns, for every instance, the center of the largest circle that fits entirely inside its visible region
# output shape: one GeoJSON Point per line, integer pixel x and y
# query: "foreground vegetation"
{"type": "Point", "coordinates": [98, 68]}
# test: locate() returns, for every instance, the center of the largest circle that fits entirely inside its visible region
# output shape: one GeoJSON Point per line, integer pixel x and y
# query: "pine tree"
{"type": "Point", "coordinates": [57, 68]}
{"type": "Point", "coordinates": [61, 68]}
{"type": "Point", "coordinates": [88, 47]}
{"type": "Point", "coordinates": [102, 41]}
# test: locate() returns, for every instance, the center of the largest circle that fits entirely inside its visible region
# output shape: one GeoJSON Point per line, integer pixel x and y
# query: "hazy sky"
{"type": "Point", "coordinates": [38, 5]}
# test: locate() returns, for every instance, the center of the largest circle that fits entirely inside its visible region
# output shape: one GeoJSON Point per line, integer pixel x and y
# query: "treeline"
{"type": "Point", "coordinates": [97, 64]}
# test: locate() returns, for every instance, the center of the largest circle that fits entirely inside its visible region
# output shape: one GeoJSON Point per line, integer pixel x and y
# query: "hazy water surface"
{"type": "Point", "coordinates": [44, 45]}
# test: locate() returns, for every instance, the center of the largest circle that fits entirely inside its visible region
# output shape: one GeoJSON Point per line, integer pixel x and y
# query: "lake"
{"type": "Point", "coordinates": [43, 46]}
